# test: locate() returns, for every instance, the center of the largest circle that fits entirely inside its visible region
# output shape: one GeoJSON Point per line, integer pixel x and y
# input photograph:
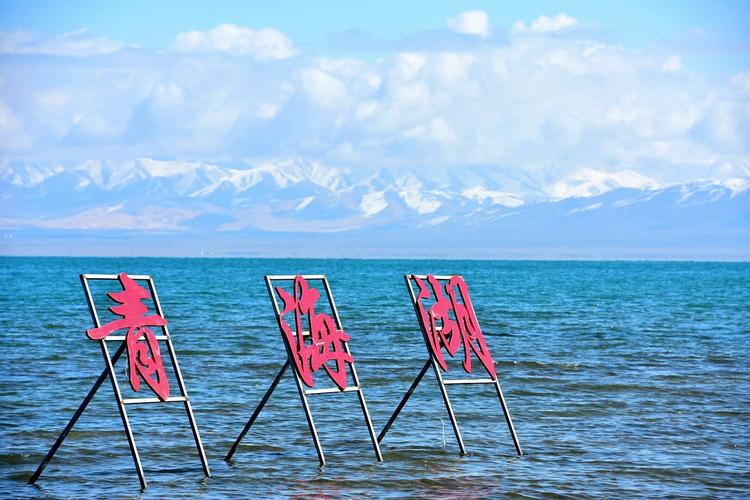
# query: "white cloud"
{"type": "Point", "coordinates": [471, 22]}
{"type": "Point", "coordinates": [78, 43]}
{"type": "Point", "coordinates": [324, 88]}
{"type": "Point", "coordinates": [10, 124]}
{"type": "Point", "coordinates": [263, 44]}
{"type": "Point", "coordinates": [742, 82]}
{"type": "Point", "coordinates": [672, 64]}
{"type": "Point", "coordinates": [544, 104]}
{"type": "Point", "coordinates": [544, 24]}
{"type": "Point", "coordinates": [266, 110]}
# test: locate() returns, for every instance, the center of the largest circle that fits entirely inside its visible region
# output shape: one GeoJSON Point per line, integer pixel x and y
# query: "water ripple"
{"type": "Point", "coordinates": [623, 379]}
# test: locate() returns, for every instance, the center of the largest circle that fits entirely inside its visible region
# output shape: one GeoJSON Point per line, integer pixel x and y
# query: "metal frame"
{"type": "Point", "coordinates": [442, 383]}
{"type": "Point", "coordinates": [303, 393]}
{"type": "Point", "coordinates": [109, 371]}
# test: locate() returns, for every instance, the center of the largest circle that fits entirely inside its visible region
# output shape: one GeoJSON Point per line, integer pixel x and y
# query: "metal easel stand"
{"type": "Point", "coordinates": [109, 371]}
{"type": "Point", "coordinates": [444, 392]}
{"type": "Point", "coordinates": [303, 393]}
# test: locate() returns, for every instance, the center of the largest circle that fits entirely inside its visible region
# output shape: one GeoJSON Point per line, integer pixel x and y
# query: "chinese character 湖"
{"type": "Point", "coordinates": [462, 328]}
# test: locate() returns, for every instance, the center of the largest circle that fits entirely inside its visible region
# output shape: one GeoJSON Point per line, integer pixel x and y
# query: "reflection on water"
{"type": "Point", "coordinates": [622, 379]}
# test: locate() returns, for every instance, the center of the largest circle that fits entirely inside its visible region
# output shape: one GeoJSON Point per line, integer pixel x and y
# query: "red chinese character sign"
{"type": "Point", "coordinates": [313, 340]}
{"type": "Point", "coordinates": [144, 358]}
{"type": "Point", "coordinates": [451, 323]}
{"type": "Point", "coordinates": [145, 364]}
{"type": "Point", "coordinates": [326, 340]}
{"type": "Point", "coordinates": [448, 322]}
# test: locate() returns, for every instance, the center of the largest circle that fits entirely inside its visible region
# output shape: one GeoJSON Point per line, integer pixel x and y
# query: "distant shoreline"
{"type": "Point", "coordinates": [392, 258]}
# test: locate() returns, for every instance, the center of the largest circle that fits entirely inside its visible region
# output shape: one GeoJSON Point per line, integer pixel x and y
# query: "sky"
{"type": "Point", "coordinates": [570, 96]}
{"type": "Point", "coordinates": [429, 83]}
{"type": "Point", "coordinates": [150, 25]}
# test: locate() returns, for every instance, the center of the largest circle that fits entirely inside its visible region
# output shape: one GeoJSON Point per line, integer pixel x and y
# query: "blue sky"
{"type": "Point", "coordinates": [154, 23]}
{"type": "Point", "coordinates": [717, 30]}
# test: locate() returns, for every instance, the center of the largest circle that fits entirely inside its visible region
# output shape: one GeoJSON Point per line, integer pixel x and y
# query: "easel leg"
{"type": "Point", "coordinates": [448, 407]}
{"type": "Point", "coordinates": [370, 428]}
{"type": "Point", "coordinates": [189, 409]}
{"type": "Point", "coordinates": [257, 411]}
{"type": "Point", "coordinates": [124, 415]}
{"type": "Point", "coordinates": [74, 418]}
{"type": "Point", "coordinates": [508, 420]}
{"type": "Point", "coordinates": [363, 405]}
{"type": "Point", "coordinates": [310, 422]}
{"type": "Point", "coordinates": [197, 438]}
{"type": "Point", "coordinates": [404, 400]}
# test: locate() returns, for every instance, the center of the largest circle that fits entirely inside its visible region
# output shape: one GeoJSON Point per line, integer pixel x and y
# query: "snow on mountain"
{"type": "Point", "coordinates": [589, 182]}
{"type": "Point", "coordinates": [28, 175]}
{"type": "Point", "coordinates": [373, 203]}
{"type": "Point", "coordinates": [737, 185]}
{"type": "Point", "coordinates": [481, 194]}
{"type": "Point", "coordinates": [411, 190]}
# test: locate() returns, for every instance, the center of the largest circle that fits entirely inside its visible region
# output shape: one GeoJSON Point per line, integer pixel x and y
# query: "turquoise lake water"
{"type": "Point", "coordinates": [623, 379]}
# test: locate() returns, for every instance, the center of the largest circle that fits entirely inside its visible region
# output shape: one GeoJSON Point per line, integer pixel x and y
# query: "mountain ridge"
{"type": "Point", "coordinates": [204, 200]}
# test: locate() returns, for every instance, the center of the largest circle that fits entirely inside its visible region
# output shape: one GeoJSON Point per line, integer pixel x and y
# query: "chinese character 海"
{"type": "Point", "coordinates": [327, 340]}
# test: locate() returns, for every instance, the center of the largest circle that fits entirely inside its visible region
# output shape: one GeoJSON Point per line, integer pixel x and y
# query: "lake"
{"type": "Point", "coordinates": [622, 378]}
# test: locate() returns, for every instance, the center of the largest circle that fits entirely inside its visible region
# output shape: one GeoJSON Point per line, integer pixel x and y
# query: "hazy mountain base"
{"type": "Point", "coordinates": [703, 224]}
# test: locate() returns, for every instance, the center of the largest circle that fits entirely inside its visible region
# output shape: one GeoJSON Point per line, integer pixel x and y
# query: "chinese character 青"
{"type": "Point", "coordinates": [144, 358]}
{"type": "Point", "coordinates": [450, 331]}
{"type": "Point", "coordinates": [327, 341]}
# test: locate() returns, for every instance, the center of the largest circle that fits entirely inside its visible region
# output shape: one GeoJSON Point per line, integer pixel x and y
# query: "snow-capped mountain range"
{"type": "Point", "coordinates": [297, 196]}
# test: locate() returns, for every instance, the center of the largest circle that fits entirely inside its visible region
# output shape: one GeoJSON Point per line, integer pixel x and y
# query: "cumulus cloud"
{"type": "Point", "coordinates": [672, 63]}
{"type": "Point", "coordinates": [741, 82]}
{"type": "Point", "coordinates": [538, 103]}
{"type": "Point", "coordinates": [264, 44]}
{"type": "Point", "coordinates": [544, 24]}
{"type": "Point", "coordinates": [11, 130]}
{"type": "Point", "coordinates": [78, 43]}
{"type": "Point", "coordinates": [471, 22]}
